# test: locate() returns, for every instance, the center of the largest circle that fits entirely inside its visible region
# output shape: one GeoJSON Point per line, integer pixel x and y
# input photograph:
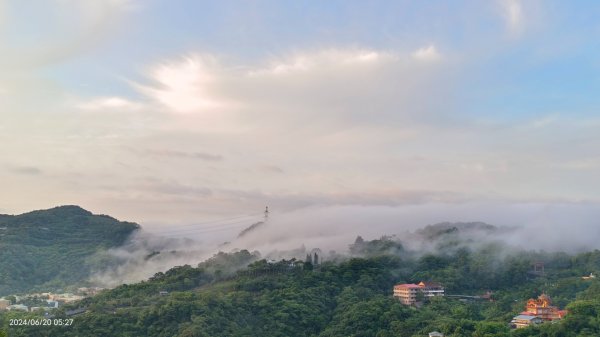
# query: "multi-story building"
{"type": "Point", "coordinates": [542, 307]}
{"type": "Point", "coordinates": [408, 293]}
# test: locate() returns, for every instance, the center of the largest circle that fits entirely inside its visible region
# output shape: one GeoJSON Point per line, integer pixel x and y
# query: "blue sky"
{"type": "Point", "coordinates": [173, 111]}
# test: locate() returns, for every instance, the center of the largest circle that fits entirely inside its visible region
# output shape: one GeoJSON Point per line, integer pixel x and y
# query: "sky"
{"type": "Point", "coordinates": [174, 112]}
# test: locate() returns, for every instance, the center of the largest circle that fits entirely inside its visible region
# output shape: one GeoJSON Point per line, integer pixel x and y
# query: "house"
{"type": "Point", "coordinates": [408, 293]}
{"type": "Point", "coordinates": [163, 293]}
{"type": "Point", "coordinates": [523, 321]}
{"type": "Point", "coordinates": [436, 334]}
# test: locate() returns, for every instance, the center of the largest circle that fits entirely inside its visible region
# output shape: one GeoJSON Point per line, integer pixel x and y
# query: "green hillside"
{"type": "Point", "coordinates": [49, 249]}
{"type": "Point", "coordinates": [343, 297]}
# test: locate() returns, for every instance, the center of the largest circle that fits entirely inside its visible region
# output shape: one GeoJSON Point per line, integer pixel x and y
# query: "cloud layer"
{"type": "Point", "coordinates": [168, 127]}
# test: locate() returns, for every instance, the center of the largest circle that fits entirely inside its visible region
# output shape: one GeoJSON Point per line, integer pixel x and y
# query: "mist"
{"type": "Point", "coordinates": [551, 227]}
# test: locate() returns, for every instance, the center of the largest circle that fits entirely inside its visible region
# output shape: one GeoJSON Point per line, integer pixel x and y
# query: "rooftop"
{"type": "Point", "coordinates": [407, 286]}
{"type": "Point", "coordinates": [418, 286]}
{"type": "Point", "coordinates": [524, 317]}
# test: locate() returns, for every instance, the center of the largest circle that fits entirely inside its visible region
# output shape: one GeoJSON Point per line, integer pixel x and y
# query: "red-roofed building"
{"type": "Point", "coordinates": [542, 307]}
{"type": "Point", "coordinates": [407, 293]}
{"type": "Point", "coordinates": [537, 310]}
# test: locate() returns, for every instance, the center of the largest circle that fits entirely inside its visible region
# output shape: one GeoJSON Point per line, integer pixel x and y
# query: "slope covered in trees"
{"type": "Point", "coordinates": [49, 249]}
{"type": "Point", "coordinates": [345, 297]}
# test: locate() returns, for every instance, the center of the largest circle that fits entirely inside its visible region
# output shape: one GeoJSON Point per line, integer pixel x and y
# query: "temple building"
{"type": "Point", "coordinates": [408, 293]}
{"type": "Point", "coordinates": [542, 307]}
{"type": "Point", "coordinates": [537, 310]}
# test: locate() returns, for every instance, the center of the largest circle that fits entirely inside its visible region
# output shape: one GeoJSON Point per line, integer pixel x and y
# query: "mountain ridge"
{"type": "Point", "coordinates": [51, 248]}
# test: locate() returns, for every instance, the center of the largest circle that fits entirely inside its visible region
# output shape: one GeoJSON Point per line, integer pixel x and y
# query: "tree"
{"type": "Point", "coordinates": [358, 245]}
{"type": "Point", "coordinates": [491, 329]}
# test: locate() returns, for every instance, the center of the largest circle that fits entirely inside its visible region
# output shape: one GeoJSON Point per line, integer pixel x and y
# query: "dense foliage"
{"type": "Point", "coordinates": [49, 249]}
{"type": "Point", "coordinates": [344, 296]}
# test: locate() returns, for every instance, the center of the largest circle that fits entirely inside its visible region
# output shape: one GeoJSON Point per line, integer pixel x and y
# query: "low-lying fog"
{"type": "Point", "coordinates": [569, 227]}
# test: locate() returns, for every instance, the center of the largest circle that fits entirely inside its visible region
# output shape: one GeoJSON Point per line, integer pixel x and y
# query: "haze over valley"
{"type": "Point", "coordinates": [299, 168]}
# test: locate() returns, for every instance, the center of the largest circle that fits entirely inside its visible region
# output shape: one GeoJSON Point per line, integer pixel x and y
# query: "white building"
{"type": "Point", "coordinates": [18, 307]}
{"type": "Point", "coordinates": [523, 321]}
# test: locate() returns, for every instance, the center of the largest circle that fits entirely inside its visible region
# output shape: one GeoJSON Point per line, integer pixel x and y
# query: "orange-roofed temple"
{"type": "Point", "coordinates": [542, 307]}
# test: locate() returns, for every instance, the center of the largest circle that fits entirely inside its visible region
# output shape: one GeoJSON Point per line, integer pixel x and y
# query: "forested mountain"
{"type": "Point", "coordinates": [48, 249]}
{"type": "Point", "coordinates": [251, 228]}
{"type": "Point", "coordinates": [345, 296]}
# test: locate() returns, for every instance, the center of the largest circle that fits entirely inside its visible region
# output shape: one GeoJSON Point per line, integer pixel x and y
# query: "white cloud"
{"type": "Point", "coordinates": [344, 121]}
{"type": "Point", "coordinates": [184, 85]}
{"type": "Point", "coordinates": [345, 124]}
{"type": "Point", "coordinates": [110, 104]}
{"type": "Point", "coordinates": [429, 53]}
{"type": "Point", "coordinates": [360, 127]}
{"type": "Point", "coordinates": [512, 10]}
{"type": "Point", "coordinates": [333, 85]}
{"type": "Point", "coordinates": [300, 62]}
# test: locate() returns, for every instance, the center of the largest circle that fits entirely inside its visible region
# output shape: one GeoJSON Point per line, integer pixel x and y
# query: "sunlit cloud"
{"type": "Point", "coordinates": [394, 118]}
{"type": "Point", "coordinates": [428, 54]}
{"type": "Point", "coordinates": [300, 62]}
{"type": "Point", "coordinates": [228, 95]}
{"type": "Point", "coordinates": [512, 10]}
{"type": "Point", "coordinates": [110, 103]}
{"type": "Point", "coordinates": [184, 85]}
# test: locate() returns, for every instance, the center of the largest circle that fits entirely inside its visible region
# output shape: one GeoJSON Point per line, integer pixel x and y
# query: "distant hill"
{"type": "Point", "coordinates": [49, 249]}
{"type": "Point", "coordinates": [444, 228]}
{"type": "Point", "coordinates": [251, 228]}
{"type": "Point", "coordinates": [349, 297]}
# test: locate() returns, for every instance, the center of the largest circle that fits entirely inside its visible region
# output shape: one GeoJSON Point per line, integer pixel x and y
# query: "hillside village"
{"type": "Point", "coordinates": [45, 302]}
